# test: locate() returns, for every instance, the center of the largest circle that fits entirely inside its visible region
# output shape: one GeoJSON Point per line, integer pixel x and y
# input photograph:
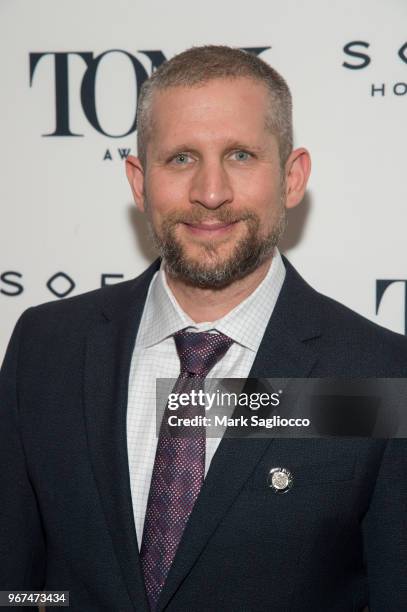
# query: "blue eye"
{"type": "Point", "coordinates": [241, 155]}
{"type": "Point", "coordinates": [181, 158]}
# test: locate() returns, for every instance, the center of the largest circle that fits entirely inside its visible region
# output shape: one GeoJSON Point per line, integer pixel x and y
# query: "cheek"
{"type": "Point", "coordinates": [166, 192]}
{"type": "Point", "coordinates": [261, 199]}
{"type": "Point", "coordinates": [258, 188]}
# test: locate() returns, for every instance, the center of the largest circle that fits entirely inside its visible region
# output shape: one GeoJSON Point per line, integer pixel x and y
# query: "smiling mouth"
{"type": "Point", "coordinates": [212, 229]}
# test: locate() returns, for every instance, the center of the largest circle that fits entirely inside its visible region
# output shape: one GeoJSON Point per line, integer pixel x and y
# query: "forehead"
{"type": "Point", "coordinates": [233, 108]}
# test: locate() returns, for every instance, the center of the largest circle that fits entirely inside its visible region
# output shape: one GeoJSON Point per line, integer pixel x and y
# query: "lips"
{"type": "Point", "coordinates": [209, 226]}
{"type": "Point", "coordinates": [213, 229]}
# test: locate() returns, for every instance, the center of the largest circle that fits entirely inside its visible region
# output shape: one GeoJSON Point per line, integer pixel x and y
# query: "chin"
{"type": "Point", "coordinates": [208, 251]}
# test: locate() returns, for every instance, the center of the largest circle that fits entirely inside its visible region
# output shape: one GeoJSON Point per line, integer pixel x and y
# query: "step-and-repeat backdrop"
{"type": "Point", "coordinates": [70, 72]}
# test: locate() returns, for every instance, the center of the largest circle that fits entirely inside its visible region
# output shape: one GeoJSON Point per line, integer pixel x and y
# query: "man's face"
{"type": "Point", "coordinates": [213, 188]}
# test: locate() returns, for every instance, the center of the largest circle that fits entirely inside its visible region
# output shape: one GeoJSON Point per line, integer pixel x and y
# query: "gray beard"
{"type": "Point", "coordinates": [248, 254]}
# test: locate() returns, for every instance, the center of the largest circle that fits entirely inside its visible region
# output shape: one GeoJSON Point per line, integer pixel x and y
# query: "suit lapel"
{"type": "Point", "coordinates": [109, 350]}
{"type": "Point", "coordinates": [283, 353]}
{"type": "Point", "coordinates": [110, 342]}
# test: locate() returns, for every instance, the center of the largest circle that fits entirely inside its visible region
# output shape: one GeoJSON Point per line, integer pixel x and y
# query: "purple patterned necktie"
{"type": "Point", "coordinates": [179, 465]}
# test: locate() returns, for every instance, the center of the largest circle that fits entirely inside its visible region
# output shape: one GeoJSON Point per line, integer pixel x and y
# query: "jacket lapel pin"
{"type": "Point", "coordinates": [280, 480]}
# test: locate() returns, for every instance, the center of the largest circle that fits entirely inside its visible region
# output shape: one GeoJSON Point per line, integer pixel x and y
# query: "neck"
{"type": "Point", "coordinates": [212, 304]}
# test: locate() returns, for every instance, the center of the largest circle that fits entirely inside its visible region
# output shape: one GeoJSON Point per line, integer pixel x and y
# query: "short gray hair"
{"type": "Point", "coordinates": [198, 65]}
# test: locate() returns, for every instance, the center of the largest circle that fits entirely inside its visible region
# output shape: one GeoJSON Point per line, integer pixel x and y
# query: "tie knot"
{"type": "Point", "coordinates": [199, 351]}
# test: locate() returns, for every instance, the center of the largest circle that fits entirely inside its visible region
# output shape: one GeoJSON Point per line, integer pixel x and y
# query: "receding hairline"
{"type": "Point", "coordinates": [162, 89]}
{"type": "Point", "coordinates": [198, 66]}
{"type": "Point", "coordinates": [210, 79]}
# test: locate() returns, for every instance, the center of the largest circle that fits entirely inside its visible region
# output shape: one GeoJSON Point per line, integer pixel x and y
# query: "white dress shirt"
{"type": "Point", "coordinates": [155, 356]}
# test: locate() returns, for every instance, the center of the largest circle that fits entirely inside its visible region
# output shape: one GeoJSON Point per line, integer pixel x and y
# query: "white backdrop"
{"type": "Point", "coordinates": [64, 208]}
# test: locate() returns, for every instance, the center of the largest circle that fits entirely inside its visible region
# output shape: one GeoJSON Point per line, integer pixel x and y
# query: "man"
{"type": "Point", "coordinates": [91, 500]}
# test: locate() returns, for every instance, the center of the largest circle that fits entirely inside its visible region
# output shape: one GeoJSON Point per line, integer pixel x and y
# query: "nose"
{"type": "Point", "coordinates": [210, 186]}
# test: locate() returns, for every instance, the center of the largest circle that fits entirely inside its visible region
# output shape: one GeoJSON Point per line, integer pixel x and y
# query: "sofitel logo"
{"type": "Point", "coordinates": [358, 59]}
{"type": "Point", "coordinates": [59, 284]}
{"type": "Point", "coordinates": [88, 87]}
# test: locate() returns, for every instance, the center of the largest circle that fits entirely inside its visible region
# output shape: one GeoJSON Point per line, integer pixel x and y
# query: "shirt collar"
{"type": "Point", "coordinates": [245, 324]}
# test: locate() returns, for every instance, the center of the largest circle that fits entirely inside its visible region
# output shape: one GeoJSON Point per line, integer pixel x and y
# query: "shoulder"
{"type": "Point", "coordinates": [346, 321]}
{"type": "Point", "coordinates": [79, 307]}
{"type": "Point", "coordinates": [75, 314]}
{"type": "Point", "coordinates": [346, 340]}
{"type": "Point", "coordinates": [366, 347]}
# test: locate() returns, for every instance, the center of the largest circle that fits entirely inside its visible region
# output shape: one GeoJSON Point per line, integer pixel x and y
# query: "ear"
{"type": "Point", "coordinates": [297, 171]}
{"type": "Point", "coordinates": [135, 176]}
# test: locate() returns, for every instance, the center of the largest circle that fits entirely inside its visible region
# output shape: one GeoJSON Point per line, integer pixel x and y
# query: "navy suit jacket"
{"type": "Point", "coordinates": [336, 542]}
